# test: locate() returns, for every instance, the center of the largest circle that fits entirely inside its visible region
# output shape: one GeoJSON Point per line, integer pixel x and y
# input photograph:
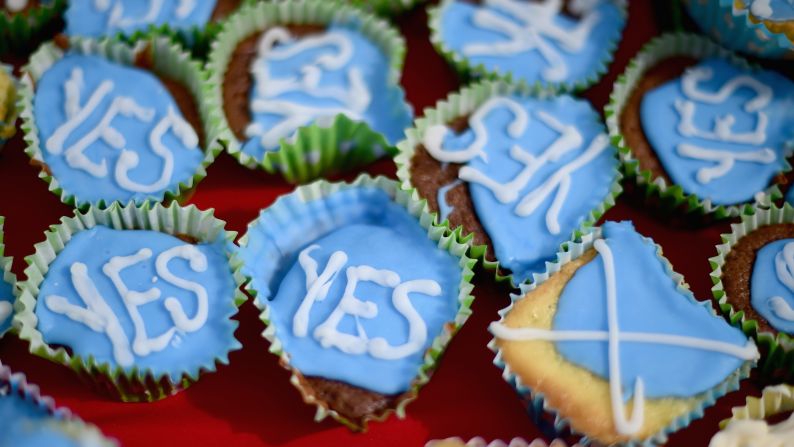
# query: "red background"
{"type": "Point", "coordinates": [250, 402]}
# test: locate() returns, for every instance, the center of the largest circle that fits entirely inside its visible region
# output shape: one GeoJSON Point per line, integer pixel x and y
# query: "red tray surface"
{"type": "Point", "coordinates": [250, 402]}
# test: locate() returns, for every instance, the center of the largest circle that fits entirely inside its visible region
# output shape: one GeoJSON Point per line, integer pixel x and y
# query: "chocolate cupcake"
{"type": "Point", "coordinates": [752, 277]}
{"type": "Point", "coordinates": [611, 343]}
{"type": "Point", "coordinates": [360, 343]}
{"type": "Point", "coordinates": [498, 160]}
{"type": "Point", "coordinates": [700, 130]}
{"type": "Point", "coordinates": [110, 122]}
{"type": "Point", "coordinates": [308, 87]}
{"type": "Point", "coordinates": [26, 23]}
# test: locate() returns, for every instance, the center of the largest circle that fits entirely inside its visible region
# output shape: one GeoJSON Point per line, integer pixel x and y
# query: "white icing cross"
{"type": "Point", "coordinates": [536, 31]}
{"type": "Point", "coordinates": [16, 5]}
{"type": "Point", "coordinates": [570, 139]}
{"type": "Point", "coordinates": [99, 316]}
{"type": "Point", "coordinates": [327, 333]}
{"type": "Point", "coordinates": [723, 125]}
{"type": "Point", "coordinates": [784, 268]}
{"type": "Point", "coordinates": [613, 337]}
{"type": "Point", "coordinates": [116, 17]}
{"type": "Point", "coordinates": [124, 106]}
{"type": "Point", "coordinates": [337, 51]}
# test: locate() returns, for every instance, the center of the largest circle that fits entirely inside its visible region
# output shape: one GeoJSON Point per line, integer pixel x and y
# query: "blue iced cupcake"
{"type": "Point", "coordinates": [7, 285]}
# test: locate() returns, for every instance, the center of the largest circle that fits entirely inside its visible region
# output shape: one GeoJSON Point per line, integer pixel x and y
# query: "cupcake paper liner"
{"type": "Point", "coordinates": [469, 71]}
{"type": "Point", "coordinates": [732, 27]}
{"type": "Point", "coordinates": [779, 350]}
{"type": "Point", "coordinates": [316, 150]}
{"type": "Point", "coordinates": [657, 192]}
{"type": "Point", "coordinates": [8, 120]}
{"type": "Point", "coordinates": [283, 213]}
{"type": "Point", "coordinates": [386, 7]}
{"type": "Point", "coordinates": [480, 442]}
{"type": "Point", "coordinates": [135, 385]}
{"type": "Point", "coordinates": [5, 266]}
{"type": "Point", "coordinates": [167, 59]}
{"type": "Point", "coordinates": [16, 383]}
{"type": "Point", "coordinates": [20, 33]}
{"type": "Point", "coordinates": [536, 402]}
{"type": "Point", "coordinates": [463, 103]}
{"type": "Point", "coordinates": [774, 400]}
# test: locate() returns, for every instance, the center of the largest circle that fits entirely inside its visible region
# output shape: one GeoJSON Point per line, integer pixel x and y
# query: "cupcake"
{"type": "Point", "coordinates": [25, 23]}
{"type": "Point", "coordinates": [499, 160]}
{"type": "Point", "coordinates": [611, 342]}
{"type": "Point", "coordinates": [308, 87]}
{"type": "Point", "coordinates": [387, 7]}
{"type": "Point", "coordinates": [8, 108]}
{"type": "Point", "coordinates": [109, 122]}
{"type": "Point", "coordinates": [137, 300]}
{"type": "Point", "coordinates": [480, 442]}
{"type": "Point", "coordinates": [700, 129]}
{"type": "Point", "coordinates": [31, 420]}
{"type": "Point", "coordinates": [7, 285]}
{"type": "Point", "coordinates": [552, 42]}
{"type": "Point", "coordinates": [767, 421]}
{"type": "Point", "coordinates": [752, 277]}
{"type": "Point", "coordinates": [758, 27]}
{"type": "Point", "coordinates": [359, 344]}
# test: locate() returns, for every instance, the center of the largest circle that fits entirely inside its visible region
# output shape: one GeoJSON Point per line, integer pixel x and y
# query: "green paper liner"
{"type": "Point", "coordinates": [167, 59]}
{"type": "Point", "coordinates": [21, 33]}
{"type": "Point", "coordinates": [386, 7]}
{"type": "Point", "coordinates": [8, 276]}
{"type": "Point", "coordinates": [467, 70]}
{"type": "Point", "coordinates": [321, 189]}
{"type": "Point", "coordinates": [778, 359]}
{"type": "Point", "coordinates": [133, 385]}
{"type": "Point", "coordinates": [657, 193]}
{"type": "Point", "coordinates": [480, 442]}
{"type": "Point", "coordinates": [463, 103]}
{"type": "Point", "coordinates": [316, 151]}
{"type": "Point", "coordinates": [731, 25]}
{"type": "Point", "coordinates": [71, 425]}
{"type": "Point", "coordinates": [536, 401]}
{"type": "Point", "coordinates": [774, 400]}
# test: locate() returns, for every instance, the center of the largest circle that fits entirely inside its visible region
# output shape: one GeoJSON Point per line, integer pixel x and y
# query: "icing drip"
{"type": "Point", "coordinates": [104, 132]}
{"type": "Point", "coordinates": [723, 126]}
{"type": "Point", "coordinates": [569, 140]}
{"type": "Point", "coordinates": [327, 333]}
{"type": "Point", "coordinates": [444, 208]}
{"type": "Point", "coordinates": [277, 44]}
{"type": "Point", "coordinates": [99, 317]}
{"type": "Point", "coordinates": [784, 268]}
{"type": "Point", "coordinates": [16, 5]}
{"type": "Point", "coordinates": [613, 337]}
{"type": "Point", "coordinates": [531, 27]}
{"type": "Point", "coordinates": [116, 18]}
{"type": "Point", "coordinates": [5, 311]}
{"type": "Point", "coordinates": [753, 433]}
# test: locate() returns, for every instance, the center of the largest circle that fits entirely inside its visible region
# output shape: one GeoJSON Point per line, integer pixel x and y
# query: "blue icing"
{"type": "Point", "coordinates": [444, 208]}
{"type": "Point", "coordinates": [372, 230]}
{"type": "Point", "coordinates": [660, 120]}
{"type": "Point", "coordinates": [387, 112]}
{"type": "Point", "coordinates": [6, 296]}
{"type": "Point", "coordinates": [90, 18]}
{"type": "Point", "coordinates": [186, 351]}
{"type": "Point", "coordinates": [648, 301]}
{"type": "Point", "coordinates": [590, 184]}
{"type": "Point", "coordinates": [47, 433]}
{"type": "Point", "coordinates": [26, 423]}
{"type": "Point", "coordinates": [774, 10]}
{"type": "Point", "coordinates": [766, 284]}
{"type": "Point", "coordinates": [458, 31]}
{"type": "Point", "coordinates": [49, 108]}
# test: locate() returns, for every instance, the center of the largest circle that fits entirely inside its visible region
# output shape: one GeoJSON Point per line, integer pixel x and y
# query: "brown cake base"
{"type": "Point", "coordinates": [738, 269]}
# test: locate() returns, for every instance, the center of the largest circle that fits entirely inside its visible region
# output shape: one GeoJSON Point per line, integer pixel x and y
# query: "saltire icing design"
{"type": "Point", "coordinates": [721, 132]}
{"type": "Point", "coordinates": [622, 317]}
{"type": "Point", "coordinates": [299, 81]}
{"type": "Point", "coordinates": [94, 18]}
{"type": "Point", "coordinates": [112, 132]}
{"type": "Point", "coordinates": [772, 284]}
{"type": "Point", "coordinates": [139, 299]}
{"type": "Point", "coordinates": [356, 295]}
{"type": "Point", "coordinates": [774, 10]}
{"type": "Point", "coordinates": [534, 41]}
{"type": "Point", "coordinates": [534, 166]}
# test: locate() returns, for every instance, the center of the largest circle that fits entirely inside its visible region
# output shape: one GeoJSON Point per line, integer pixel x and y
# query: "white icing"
{"type": "Point", "coordinates": [531, 26]}
{"type": "Point", "coordinates": [16, 5]}
{"type": "Point", "coordinates": [723, 125]}
{"type": "Point", "coordinates": [569, 140]}
{"type": "Point", "coordinates": [755, 433]}
{"type": "Point", "coordinates": [614, 336]}
{"type": "Point", "coordinates": [116, 17]}
{"type": "Point", "coordinates": [762, 8]}
{"type": "Point", "coordinates": [5, 311]}
{"type": "Point", "coordinates": [99, 317]}
{"type": "Point", "coordinates": [784, 268]}
{"type": "Point", "coordinates": [104, 131]}
{"type": "Point", "coordinates": [327, 333]}
{"type": "Point", "coordinates": [337, 53]}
